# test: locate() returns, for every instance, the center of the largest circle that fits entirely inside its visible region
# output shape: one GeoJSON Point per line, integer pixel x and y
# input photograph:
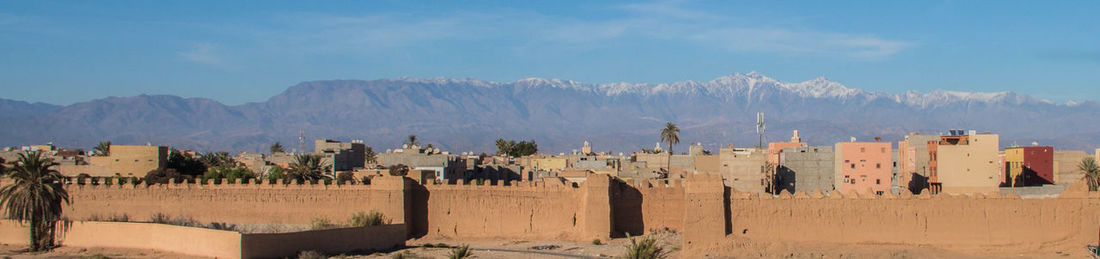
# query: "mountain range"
{"type": "Point", "coordinates": [468, 115]}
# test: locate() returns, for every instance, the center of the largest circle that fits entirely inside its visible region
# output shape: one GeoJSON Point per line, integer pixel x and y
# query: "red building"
{"type": "Point", "coordinates": [1029, 166]}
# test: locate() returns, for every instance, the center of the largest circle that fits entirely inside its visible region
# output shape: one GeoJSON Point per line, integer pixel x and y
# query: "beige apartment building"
{"type": "Point", "coordinates": [743, 168]}
{"type": "Point", "coordinates": [124, 160]}
{"type": "Point", "coordinates": [913, 161]}
{"type": "Point", "coordinates": [964, 163]}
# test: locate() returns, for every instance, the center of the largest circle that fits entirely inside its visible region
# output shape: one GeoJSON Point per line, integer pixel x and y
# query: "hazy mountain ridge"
{"type": "Point", "coordinates": [467, 114]}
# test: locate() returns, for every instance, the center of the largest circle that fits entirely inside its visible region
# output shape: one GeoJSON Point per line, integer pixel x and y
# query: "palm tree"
{"type": "Point", "coordinates": [503, 147]}
{"type": "Point", "coordinates": [35, 196]}
{"type": "Point", "coordinates": [103, 149]}
{"type": "Point", "coordinates": [1092, 172]}
{"type": "Point", "coordinates": [411, 141]}
{"type": "Point", "coordinates": [307, 167]}
{"type": "Point", "coordinates": [277, 148]}
{"type": "Point", "coordinates": [369, 155]}
{"type": "Point", "coordinates": [670, 134]}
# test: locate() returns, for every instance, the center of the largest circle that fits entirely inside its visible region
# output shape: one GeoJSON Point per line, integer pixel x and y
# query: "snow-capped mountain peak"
{"type": "Point", "coordinates": [755, 84]}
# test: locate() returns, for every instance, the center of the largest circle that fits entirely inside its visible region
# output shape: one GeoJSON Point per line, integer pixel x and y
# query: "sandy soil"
{"type": "Point", "coordinates": [743, 248]}
{"type": "Point", "coordinates": [731, 248]}
{"type": "Point", "coordinates": [440, 248]}
{"type": "Point", "coordinates": [17, 252]}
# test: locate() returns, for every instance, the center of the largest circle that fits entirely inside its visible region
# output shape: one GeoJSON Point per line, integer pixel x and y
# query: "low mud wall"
{"type": "Point", "coordinates": [216, 243]}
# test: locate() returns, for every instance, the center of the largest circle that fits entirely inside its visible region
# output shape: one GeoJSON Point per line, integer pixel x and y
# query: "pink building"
{"type": "Point", "coordinates": [776, 148]}
{"type": "Point", "coordinates": [860, 166]}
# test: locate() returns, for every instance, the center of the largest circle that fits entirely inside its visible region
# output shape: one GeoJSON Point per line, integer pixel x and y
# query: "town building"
{"type": "Point", "coordinates": [1028, 166]}
{"type": "Point", "coordinates": [913, 161]}
{"type": "Point", "coordinates": [964, 162]}
{"type": "Point", "coordinates": [743, 168]}
{"type": "Point", "coordinates": [343, 156]}
{"type": "Point", "coordinates": [805, 169]}
{"type": "Point", "coordinates": [123, 160]}
{"type": "Point", "coordinates": [446, 167]}
{"type": "Point", "coordinates": [863, 166]}
{"type": "Point", "coordinates": [775, 148]}
{"type": "Point", "coordinates": [1065, 166]}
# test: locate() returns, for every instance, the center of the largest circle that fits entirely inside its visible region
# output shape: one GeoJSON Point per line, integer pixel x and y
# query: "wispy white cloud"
{"type": "Point", "coordinates": [789, 42]}
{"type": "Point", "coordinates": [203, 53]}
{"type": "Point", "coordinates": [661, 20]}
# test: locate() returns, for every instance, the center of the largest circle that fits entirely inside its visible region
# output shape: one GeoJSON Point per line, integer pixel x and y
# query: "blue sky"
{"type": "Point", "coordinates": [246, 51]}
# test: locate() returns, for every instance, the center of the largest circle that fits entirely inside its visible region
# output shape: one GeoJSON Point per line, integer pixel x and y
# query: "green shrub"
{"type": "Point", "coordinates": [185, 221]}
{"type": "Point", "coordinates": [460, 252]}
{"type": "Point", "coordinates": [320, 223]}
{"type": "Point", "coordinates": [275, 173]}
{"type": "Point", "coordinates": [223, 226]}
{"type": "Point", "coordinates": [597, 242]}
{"type": "Point", "coordinates": [112, 218]}
{"type": "Point", "coordinates": [310, 255]}
{"type": "Point", "coordinates": [345, 177]}
{"type": "Point", "coordinates": [406, 255]}
{"type": "Point", "coordinates": [362, 219]}
{"type": "Point", "coordinates": [644, 248]}
{"type": "Point", "coordinates": [160, 218]}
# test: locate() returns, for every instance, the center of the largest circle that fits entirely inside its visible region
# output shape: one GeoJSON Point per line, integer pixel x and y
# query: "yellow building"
{"type": "Point", "coordinates": [549, 163]}
{"type": "Point", "coordinates": [129, 160]}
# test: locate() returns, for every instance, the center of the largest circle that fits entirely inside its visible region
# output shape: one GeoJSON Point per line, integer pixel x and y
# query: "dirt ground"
{"type": "Point", "coordinates": [17, 252]}
{"type": "Point", "coordinates": [430, 248]}
{"type": "Point", "coordinates": [731, 248]}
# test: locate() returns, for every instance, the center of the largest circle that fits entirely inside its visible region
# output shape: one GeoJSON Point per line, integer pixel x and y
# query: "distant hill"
{"type": "Point", "coordinates": [467, 115]}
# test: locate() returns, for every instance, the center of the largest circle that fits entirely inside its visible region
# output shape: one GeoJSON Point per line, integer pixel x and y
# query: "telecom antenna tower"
{"type": "Point", "coordinates": [301, 141]}
{"type": "Point", "coordinates": [760, 128]}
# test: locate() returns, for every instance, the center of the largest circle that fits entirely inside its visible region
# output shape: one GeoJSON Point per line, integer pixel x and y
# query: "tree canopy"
{"type": "Point", "coordinates": [514, 149]}
{"type": "Point", "coordinates": [102, 149]}
{"type": "Point", "coordinates": [277, 148]}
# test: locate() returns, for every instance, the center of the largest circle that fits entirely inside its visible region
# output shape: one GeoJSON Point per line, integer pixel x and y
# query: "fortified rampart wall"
{"type": "Point", "coordinates": [645, 206]}
{"type": "Point", "coordinates": [700, 207]}
{"type": "Point", "coordinates": [255, 203]}
{"type": "Point", "coordinates": [942, 221]}
{"type": "Point", "coordinates": [544, 209]}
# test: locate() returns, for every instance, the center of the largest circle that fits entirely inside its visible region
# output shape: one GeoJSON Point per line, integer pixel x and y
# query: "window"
{"type": "Point", "coordinates": [878, 181]}
{"type": "Point", "coordinates": [853, 166]}
{"type": "Point", "coordinates": [878, 165]}
{"type": "Point", "coordinates": [883, 150]}
{"type": "Point", "coordinates": [863, 150]}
